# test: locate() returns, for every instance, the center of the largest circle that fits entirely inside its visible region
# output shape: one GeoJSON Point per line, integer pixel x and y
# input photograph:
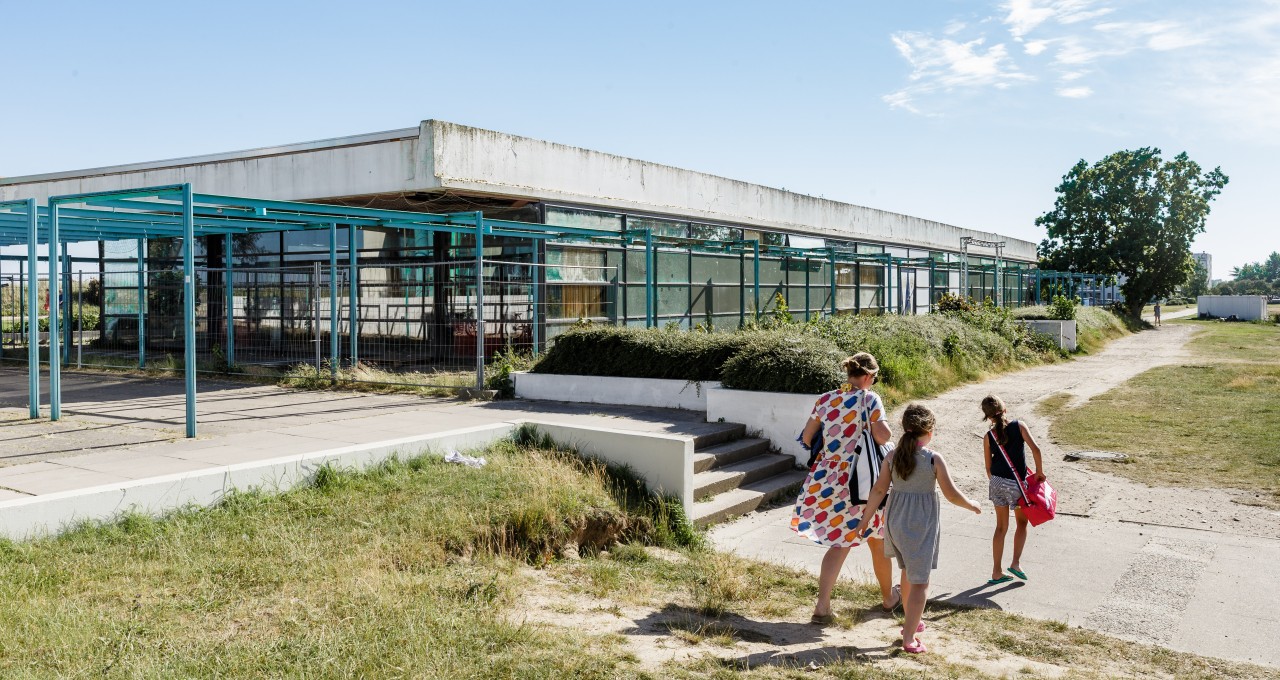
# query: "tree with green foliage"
{"type": "Point", "coordinates": [1198, 283]}
{"type": "Point", "coordinates": [1267, 270]}
{"type": "Point", "coordinates": [1132, 214]}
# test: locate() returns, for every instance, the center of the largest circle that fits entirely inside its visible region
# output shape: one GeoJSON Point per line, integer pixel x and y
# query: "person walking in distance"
{"type": "Point", "coordinates": [829, 504]}
{"type": "Point", "coordinates": [914, 528]}
{"type": "Point", "coordinates": [1002, 486]}
{"type": "Point", "coordinates": [1157, 312]}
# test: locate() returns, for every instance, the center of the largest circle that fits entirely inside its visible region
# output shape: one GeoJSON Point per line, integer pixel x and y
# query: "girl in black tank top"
{"type": "Point", "coordinates": [1014, 438]}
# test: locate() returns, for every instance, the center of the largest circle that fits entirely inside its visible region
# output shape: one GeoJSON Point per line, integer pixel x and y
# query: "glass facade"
{"type": "Point", "coordinates": [416, 285]}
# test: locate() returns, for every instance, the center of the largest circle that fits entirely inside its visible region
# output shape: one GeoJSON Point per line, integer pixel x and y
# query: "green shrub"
{"type": "Point", "coordinates": [640, 353]}
{"type": "Point", "coordinates": [782, 361]}
{"type": "Point", "coordinates": [1062, 308]}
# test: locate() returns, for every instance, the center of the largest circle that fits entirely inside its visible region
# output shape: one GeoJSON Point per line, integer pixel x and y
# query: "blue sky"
{"type": "Point", "coordinates": [963, 112]}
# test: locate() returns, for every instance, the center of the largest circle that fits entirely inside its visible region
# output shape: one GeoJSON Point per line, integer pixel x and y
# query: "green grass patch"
{"type": "Point", "coordinates": [1210, 423]}
{"type": "Point", "coordinates": [400, 572]}
{"type": "Point", "coordinates": [1253, 342]}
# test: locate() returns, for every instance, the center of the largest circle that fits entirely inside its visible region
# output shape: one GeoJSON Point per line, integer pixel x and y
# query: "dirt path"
{"type": "Point", "coordinates": [1083, 491]}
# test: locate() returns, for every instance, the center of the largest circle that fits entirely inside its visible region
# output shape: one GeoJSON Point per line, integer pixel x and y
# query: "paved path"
{"type": "Point", "coordinates": [118, 428]}
{"type": "Point", "coordinates": [1187, 569]}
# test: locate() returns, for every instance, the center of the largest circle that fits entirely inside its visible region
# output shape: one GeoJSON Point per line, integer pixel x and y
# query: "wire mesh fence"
{"type": "Point", "coordinates": [429, 325]}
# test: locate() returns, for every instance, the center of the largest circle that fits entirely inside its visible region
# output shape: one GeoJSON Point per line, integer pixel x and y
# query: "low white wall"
{"type": "Point", "coordinates": [593, 389]}
{"type": "Point", "coordinates": [1064, 332]}
{"type": "Point", "coordinates": [664, 461]}
{"type": "Point", "coordinates": [46, 514]}
{"type": "Point", "coordinates": [1245, 307]}
{"type": "Point", "coordinates": [777, 416]}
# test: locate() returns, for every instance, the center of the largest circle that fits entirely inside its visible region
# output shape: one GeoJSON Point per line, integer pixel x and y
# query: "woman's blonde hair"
{"type": "Point", "coordinates": [993, 410]}
{"type": "Point", "coordinates": [860, 364]}
{"type": "Point", "coordinates": [917, 421]}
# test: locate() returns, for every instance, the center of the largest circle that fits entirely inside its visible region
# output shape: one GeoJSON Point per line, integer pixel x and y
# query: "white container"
{"type": "Point", "coordinates": [1243, 307]}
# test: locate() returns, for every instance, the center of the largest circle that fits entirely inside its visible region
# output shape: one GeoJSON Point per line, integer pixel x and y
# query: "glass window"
{"type": "Point", "coordinates": [709, 232]}
{"type": "Point", "coordinates": [718, 269]}
{"type": "Point", "coordinates": [583, 219]}
{"type": "Point", "coordinates": [659, 227]}
{"type": "Point", "coordinates": [672, 267]}
{"type": "Point", "coordinates": [577, 265]}
{"type": "Point", "coordinates": [798, 241]}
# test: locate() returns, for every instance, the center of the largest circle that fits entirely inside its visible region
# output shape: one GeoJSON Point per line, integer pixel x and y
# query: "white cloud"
{"type": "Point", "coordinates": [1025, 16]}
{"type": "Point", "coordinates": [954, 28]}
{"type": "Point", "coordinates": [941, 64]}
{"type": "Point", "coordinates": [1075, 92]}
{"type": "Point", "coordinates": [1035, 47]}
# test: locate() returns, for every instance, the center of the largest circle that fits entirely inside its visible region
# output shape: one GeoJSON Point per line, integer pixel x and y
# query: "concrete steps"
{"type": "Point", "coordinates": [734, 475]}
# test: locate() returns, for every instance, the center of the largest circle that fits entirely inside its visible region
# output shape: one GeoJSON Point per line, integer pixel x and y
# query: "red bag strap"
{"type": "Point", "coordinates": [1021, 489]}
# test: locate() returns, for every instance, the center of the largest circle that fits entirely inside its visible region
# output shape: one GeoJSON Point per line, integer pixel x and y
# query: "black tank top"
{"type": "Point", "coordinates": [1014, 446]}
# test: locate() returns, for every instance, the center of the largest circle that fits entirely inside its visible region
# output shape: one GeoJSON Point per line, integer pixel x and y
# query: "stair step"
{"type": "Point", "coordinates": [745, 499]}
{"type": "Point", "coordinates": [743, 472]}
{"type": "Point", "coordinates": [724, 454]}
{"type": "Point", "coordinates": [716, 433]}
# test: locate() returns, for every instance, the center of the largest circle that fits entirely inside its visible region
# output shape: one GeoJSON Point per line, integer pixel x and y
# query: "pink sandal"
{"type": "Point", "coordinates": [919, 629]}
{"type": "Point", "coordinates": [916, 647]}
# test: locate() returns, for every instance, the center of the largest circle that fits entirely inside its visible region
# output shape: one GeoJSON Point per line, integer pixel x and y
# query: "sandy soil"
{"type": "Point", "coordinates": [1083, 491]}
{"type": "Point", "coordinates": [679, 634]}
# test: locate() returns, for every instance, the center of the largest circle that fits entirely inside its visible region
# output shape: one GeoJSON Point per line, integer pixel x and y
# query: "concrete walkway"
{"type": "Point", "coordinates": [1188, 569]}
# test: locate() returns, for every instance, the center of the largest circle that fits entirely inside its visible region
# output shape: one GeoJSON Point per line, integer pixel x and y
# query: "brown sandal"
{"type": "Point", "coordinates": [897, 590]}
{"type": "Point", "coordinates": [822, 620]}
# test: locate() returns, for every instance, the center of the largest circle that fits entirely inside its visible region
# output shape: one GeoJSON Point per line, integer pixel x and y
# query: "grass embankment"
{"type": "Point", "coordinates": [919, 356]}
{"type": "Point", "coordinates": [1210, 422]}
{"type": "Point", "coordinates": [427, 569]}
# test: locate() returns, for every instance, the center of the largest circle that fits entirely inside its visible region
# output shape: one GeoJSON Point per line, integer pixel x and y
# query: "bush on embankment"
{"type": "Point", "coordinates": [918, 355]}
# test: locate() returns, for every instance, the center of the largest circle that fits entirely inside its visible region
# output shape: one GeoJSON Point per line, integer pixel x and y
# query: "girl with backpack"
{"type": "Point", "coordinates": [1011, 439]}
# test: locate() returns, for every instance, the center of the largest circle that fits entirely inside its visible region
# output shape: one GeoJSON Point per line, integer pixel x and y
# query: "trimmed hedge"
{"type": "Point", "coordinates": [640, 353]}
{"type": "Point", "coordinates": [785, 362]}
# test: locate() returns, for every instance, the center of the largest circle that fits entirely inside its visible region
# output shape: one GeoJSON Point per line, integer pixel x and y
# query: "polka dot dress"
{"type": "Point", "coordinates": [825, 511]}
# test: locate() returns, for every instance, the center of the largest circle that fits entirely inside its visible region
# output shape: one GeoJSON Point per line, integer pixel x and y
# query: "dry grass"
{"type": "Point", "coordinates": [1209, 423]}
{"type": "Point", "coordinates": [416, 569]}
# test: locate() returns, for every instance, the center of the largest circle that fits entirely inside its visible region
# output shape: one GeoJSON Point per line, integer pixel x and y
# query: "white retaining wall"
{"type": "Point", "coordinates": [664, 461]}
{"type": "Point", "coordinates": [593, 389]}
{"type": "Point", "coordinates": [1064, 332]}
{"type": "Point", "coordinates": [776, 416]}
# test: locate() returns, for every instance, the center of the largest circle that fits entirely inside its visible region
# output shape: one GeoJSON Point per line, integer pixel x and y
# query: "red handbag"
{"type": "Point", "coordinates": [1039, 501]}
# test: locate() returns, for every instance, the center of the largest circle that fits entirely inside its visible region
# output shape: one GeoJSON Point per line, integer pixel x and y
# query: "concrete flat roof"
{"type": "Point", "coordinates": [438, 156]}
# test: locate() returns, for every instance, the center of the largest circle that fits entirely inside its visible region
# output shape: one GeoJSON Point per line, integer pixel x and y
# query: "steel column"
{"type": "Point", "coordinates": [55, 273]}
{"type": "Point", "coordinates": [68, 316]}
{"type": "Point", "coordinates": [142, 303]}
{"type": "Point", "coordinates": [742, 287]}
{"type": "Point", "coordinates": [228, 281]}
{"type": "Point", "coordinates": [334, 345]}
{"type": "Point", "coordinates": [535, 273]}
{"type": "Point", "coordinates": [353, 293]}
{"type": "Point", "coordinates": [755, 272]}
{"type": "Point", "coordinates": [479, 300]}
{"type": "Point", "coordinates": [650, 282]}
{"type": "Point", "coordinates": [832, 265]}
{"type": "Point", "coordinates": [189, 305]}
{"type": "Point", "coordinates": [33, 312]}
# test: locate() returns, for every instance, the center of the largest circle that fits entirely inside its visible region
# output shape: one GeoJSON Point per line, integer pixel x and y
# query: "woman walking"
{"type": "Point", "coordinates": [914, 529]}
{"type": "Point", "coordinates": [1002, 485]}
{"type": "Point", "coordinates": [830, 503]}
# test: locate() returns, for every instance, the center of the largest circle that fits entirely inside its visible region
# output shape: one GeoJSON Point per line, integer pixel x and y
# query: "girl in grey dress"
{"type": "Point", "coordinates": [912, 527]}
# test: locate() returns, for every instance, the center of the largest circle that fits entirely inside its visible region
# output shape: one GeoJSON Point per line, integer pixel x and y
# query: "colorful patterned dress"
{"type": "Point", "coordinates": [824, 513]}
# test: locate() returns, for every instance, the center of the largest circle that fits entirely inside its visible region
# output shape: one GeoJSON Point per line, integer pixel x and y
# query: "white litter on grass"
{"type": "Point", "coordinates": [455, 457]}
